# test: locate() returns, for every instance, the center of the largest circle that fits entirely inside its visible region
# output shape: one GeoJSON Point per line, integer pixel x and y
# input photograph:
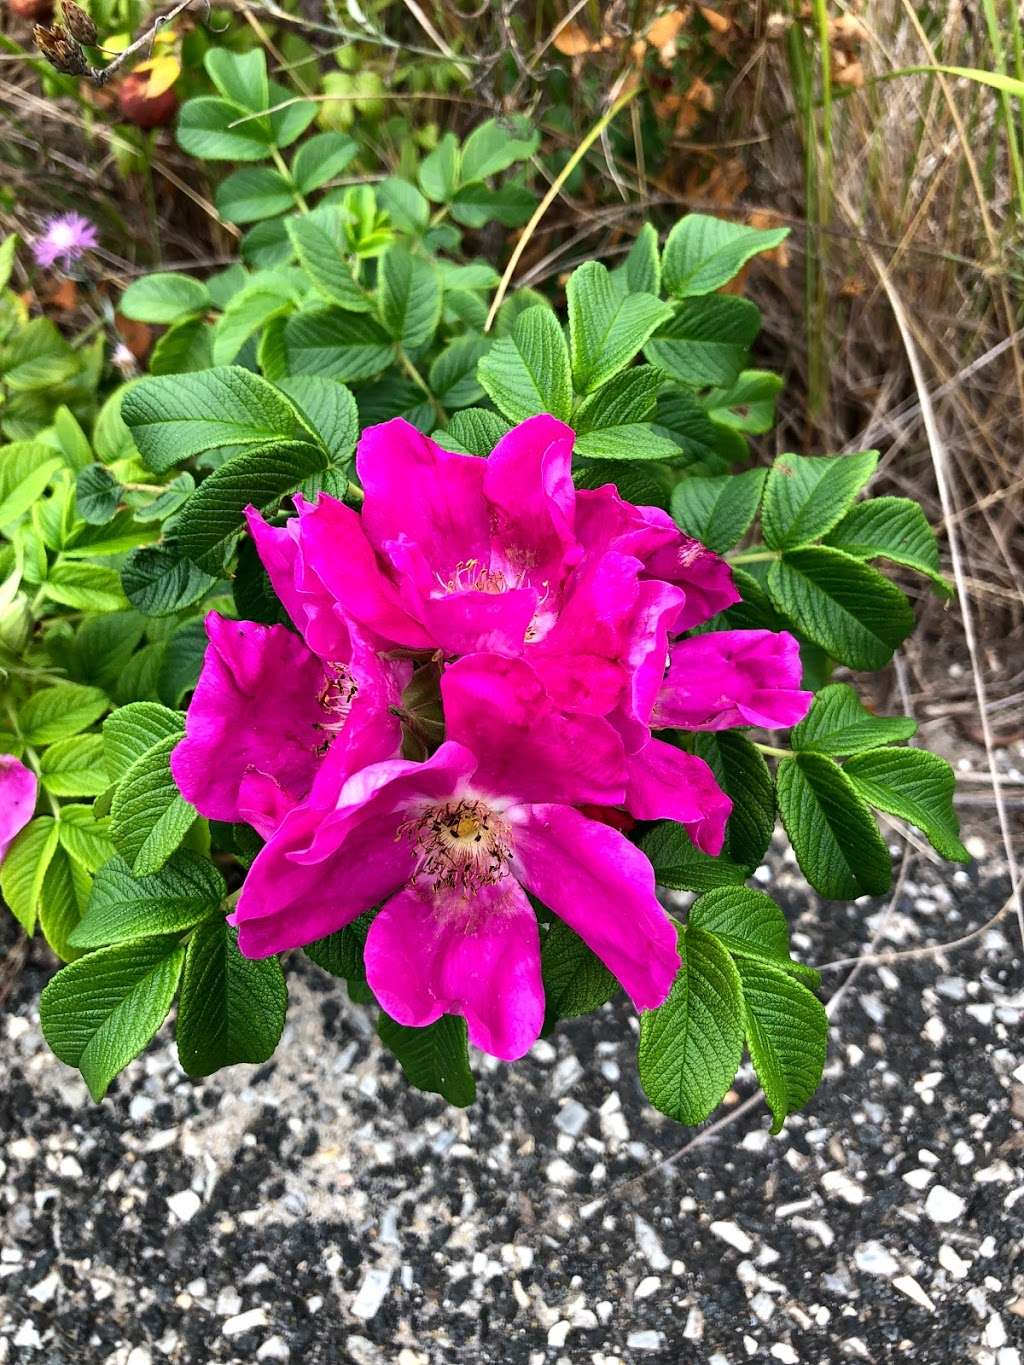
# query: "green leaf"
{"type": "Point", "coordinates": [135, 729]}
{"type": "Point", "coordinates": [231, 1008]}
{"type": "Point", "coordinates": [330, 409]}
{"type": "Point", "coordinates": [703, 253]}
{"type": "Point", "coordinates": [148, 817]}
{"type": "Point", "coordinates": [786, 1030]}
{"type": "Point", "coordinates": [691, 1046]}
{"type": "Point", "coordinates": [833, 833]}
{"type": "Point", "coordinates": [917, 787]}
{"type": "Point", "coordinates": [707, 341]}
{"type": "Point", "coordinates": [290, 121]}
{"type": "Point", "coordinates": [606, 328]}
{"type": "Point", "coordinates": [182, 662]}
{"type": "Point", "coordinates": [452, 378]}
{"type": "Point", "coordinates": [267, 245]}
{"type": "Point", "coordinates": [73, 440]}
{"type": "Point", "coordinates": [158, 580]}
{"type": "Point", "coordinates": [496, 144]}
{"type": "Point", "coordinates": [85, 838]}
{"type": "Point", "coordinates": [264, 297]}
{"type": "Point", "coordinates": [749, 404]}
{"type": "Point", "coordinates": [838, 723]}
{"type": "Point", "coordinates": [103, 1010]}
{"type": "Point", "coordinates": [8, 247]}
{"type": "Point", "coordinates": [205, 131]}
{"type": "Point", "coordinates": [750, 925]}
{"type": "Point", "coordinates": [240, 76]}
{"type": "Point", "coordinates": [184, 348]}
{"type": "Point", "coordinates": [628, 398]}
{"type": "Point", "coordinates": [171, 421]}
{"type": "Point", "coordinates": [86, 587]}
{"type": "Point", "coordinates": [320, 158]}
{"type": "Point", "coordinates": [680, 866]}
{"type": "Point", "coordinates": [97, 494]}
{"type": "Point", "coordinates": [632, 441]}
{"type": "Point", "coordinates": [476, 205]}
{"type": "Point", "coordinates": [528, 371]}
{"type": "Point", "coordinates": [435, 1058]}
{"type": "Point", "coordinates": [341, 953]}
{"type": "Point", "coordinates": [439, 171]}
{"type": "Point", "coordinates": [576, 981]}
{"type": "Point", "coordinates": [706, 446]}
{"type": "Point", "coordinates": [123, 907]}
{"type": "Point", "coordinates": [410, 297]}
{"type": "Point", "coordinates": [474, 431]}
{"type": "Point", "coordinates": [338, 344]}
{"type": "Point", "coordinates": [64, 894]}
{"type": "Point", "coordinates": [26, 468]}
{"type": "Point", "coordinates": [319, 241]}
{"type": "Point", "coordinates": [806, 495]}
{"type": "Point", "coordinates": [213, 518]}
{"type": "Point", "coordinates": [641, 270]}
{"type": "Point", "coordinates": [58, 712]}
{"type": "Point", "coordinates": [718, 511]}
{"type": "Point", "coordinates": [404, 205]}
{"type": "Point", "coordinates": [24, 867]}
{"type": "Point", "coordinates": [855, 614]}
{"type": "Point", "coordinates": [164, 297]}
{"type": "Point", "coordinates": [38, 357]}
{"type": "Point", "coordinates": [891, 528]}
{"type": "Point", "coordinates": [74, 767]}
{"type": "Point", "coordinates": [645, 484]}
{"type": "Point", "coordinates": [253, 193]}
{"type": "Point", "coordinates": [742, 772]}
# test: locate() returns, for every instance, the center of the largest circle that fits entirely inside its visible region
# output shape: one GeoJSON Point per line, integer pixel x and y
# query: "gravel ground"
{"type": "Point", "coordinates": [316, 1210]}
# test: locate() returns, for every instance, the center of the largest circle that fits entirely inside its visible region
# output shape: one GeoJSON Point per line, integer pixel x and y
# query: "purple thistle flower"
{"type": "Point", "coordinates": [67, 238]}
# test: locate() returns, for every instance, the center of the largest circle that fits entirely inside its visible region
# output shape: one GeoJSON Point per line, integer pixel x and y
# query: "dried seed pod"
{"type": "Point", "coordinates": [78, 23]}
{"type": "Point", "coordinates": [60, 49]}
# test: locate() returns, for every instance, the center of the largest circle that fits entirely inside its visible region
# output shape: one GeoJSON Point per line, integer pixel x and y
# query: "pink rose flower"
{"type": "Point", "coordinates": [731, 678]}
{"type": "Point", "coordinates": [18, 791]}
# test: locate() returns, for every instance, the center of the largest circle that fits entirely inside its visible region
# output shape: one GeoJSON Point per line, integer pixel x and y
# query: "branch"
{"type": "Point", "coordinates": [103, 75]}
{"type": "Point", "coordinates": [61, 45]}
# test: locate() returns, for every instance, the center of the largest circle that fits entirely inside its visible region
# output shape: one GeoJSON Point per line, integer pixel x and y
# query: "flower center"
{"type": "Point", "coordinates": [461, 845]}
{"type": "Point", "coordinates": [335, 697]}
{"type": "Point", "coordinates": [469, 575]}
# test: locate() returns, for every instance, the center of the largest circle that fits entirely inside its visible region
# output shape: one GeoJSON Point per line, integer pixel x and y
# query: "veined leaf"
{"type": "Point", "coordinates": [917, 787]}
{"type": "Point", "coordinates": [435, 1058]}
{"type": "Point", "coordinates": [838, 723]}
{"type": "Point", "coordinates": [123, 907]}
{"type": "Point", "coordinates": [787, 1034]}
{"type": "Point", "coordinates": [806, 495]}
{"type": "Point", "coordinates": [528, 371]}
{"type": "Point", "coordinates": [703, 253]}
{"type": "Point", "coordinates": [833, 833]}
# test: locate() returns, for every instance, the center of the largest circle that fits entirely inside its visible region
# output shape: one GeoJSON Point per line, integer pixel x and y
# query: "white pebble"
{"type": "Point", "coordinates": [733, 1234]}
{"type": "Point", "coordinates": [245, 1322]}
{"type": "Point", "coordinates": [184, 1205]}
{"type": "Point", "coordinates": [780, 1351]}
{"type": "Point", "coordinates": [650, 1245]}
{"type": "Point", "coordinates": [139, 1355]}
{"type": "Point", "coordinates": [839, 1183]}
{"type": "Point", "coordinates": [559, 1172]}
{"type": "Point", "coordinates": [274, 1348]}
{"type": "Point", "coordinates": [906, 1284]}
{"type": "Point", "coordinates": [45, 1291]}
{"type": "Point", "coordinates": [558, 1333]}
{"type": "Point", "coordinates": [645, 1341]}
{"type": "Point", "coordinates": [995, 1333]}
{"type": "Point", "coordinates": [942, 1205]}
{"type": "Point", "coordinates": [371, 1293]}
{"type": "Point", "coordinates": [952, 1263]}
{"type": "Point", "coordinates": [919, 1179]}
{"type": "Point", "coordinates": [649, 1285]}
{"type": "Point", "coordinates": [874, 1259]}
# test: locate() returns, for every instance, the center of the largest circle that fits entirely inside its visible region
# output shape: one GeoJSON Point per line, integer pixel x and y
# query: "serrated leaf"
{"type": "Point", "coordinates": [171, 421]}
{"type": "Point", "coordinates": [707, 341]}
{"type": "Point", "coordinates": [231, 1008]}
{"type": "Point", "coordinates": [58, 712]}
{"type": "Point", "coordinates": [718, 511]}
{"type": "Point", "coordinates": [240, 76]}
{"type": "Point", "coordinates": [633, 441]}
{"type": "Point", "coordinates": [319, 242]}
{"type": "Point", "coordinates": [97, 494]}
{"type": "Point", "coordinates": [253, 193]}
{"type": "Point", "coordinates": [496, 144]}
{"type": "Point", "coordinates": [85, 837]}
{"type": "Point", "coordinates": [267, 296]}
{"type": "Point", "coordinates": [917, 787]}
{"type": "Point", "coordinates": [641, 270]}
{"type": "Point", "coordinates": [891, 528]}
{"type": "Point", "coordinates": [806, 495]}
{"type": "Point", "coordinates": [159, 580]}
{"type": "Point", "coordinates": [786, 1030]}
{"type": "Point", "coordinates": [703, 253]}
{"type": "Point", "coordinates": [691, 1046]}
{"type": "Point", "coordinates": [706, 446]}
{"type": "Point", "coordinates": [628, 397]}
{"type": "Point", "coordinates": [833, 833]}
{"type": "Point", "coordinates": [103, 1010]}
{"type": "Point", "coordinates": [182, 662]}
{"type": "Point", "coordinates": [475, 431]}
{"type": "Point", "coordinates": [528, 371]}
{"type": "Point", "coordinates": [330, 410]}
{"type": "Point", "coordinates": [681, 867]}
{"type": "Point", "coordinates": [123, 907]}
{"type": "Point", "coordinates": [24, 867]}
{"type": "Point", "coordinates": [341, 953]}
{"type": "Point", "coordinates": [209, 128]}
{"type": "Point", "coordinates": [439, 171]}
{"type": "Point", "coordinates": [606, 328]}
{"type": "Point", "coordinates": [410, 297]}
{"type": "Point", "coordinates": [476, 205]}
{"type": "Point", "coordinates": [148, 816]}
{"type": "Point", "coordinates": [213, 518]}
{"type": "Point", "coordinates": [184, 348]}
{"type": "Point", "coordinates": [576, 981]}
{"type": "Point", "coordinates": [742, 772]}
{"type": "Point", "coordinates": [337, 344]}
{"type": "Point", "coordinates": [65, 891]}
{"type": "Point", "coordinates": [74, 767]}
{"type": "Point", "coordinates": [320, 158]}
{"type": "Point", "coordinates": [452, 377]}
{"type": "Point", "coordinates": [843, 605]}
{"type": "Point", "coordinates": [85, 587]}
{"type": "Point", "coordinates": [749, 924]}
{"type": "Point", "coordinates": [838, 723]}
{"type": "Point", "coordinates": [26, 468]}
{"type": "Point", "coordinates": [749, 404]}
{"type": "Point", "coordinates": [404, 205]}
{"type": "Point", "coordinates": [435, 1058]}
{"type": "Point", "coordinates": [164, 297]}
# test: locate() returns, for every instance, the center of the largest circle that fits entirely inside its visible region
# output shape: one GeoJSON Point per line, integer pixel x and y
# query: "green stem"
{"type": "Point", "coordinates": [752, 556]}
{"type": "Point", "coordinates": [421, 383]}
{"type": "Point", "coordinates": [281, 165]}
{"type": "Point", "coordinates": [772, 751]}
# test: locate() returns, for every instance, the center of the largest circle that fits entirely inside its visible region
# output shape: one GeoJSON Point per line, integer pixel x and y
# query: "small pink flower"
{"type": "Point", "coordinates": [268, 715]}
{"type": "Point", "coordinates": [66, 238]}
{"type": "Point", "coordinates": [449, 848]}
{"type": "Point", "coordinates": [18, 790]}
{"type": "Point", "coordinates": [731, 678]}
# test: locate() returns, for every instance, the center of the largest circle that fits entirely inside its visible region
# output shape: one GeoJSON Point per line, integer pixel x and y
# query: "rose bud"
{"type": "Point", "coordinates": [140, 107]}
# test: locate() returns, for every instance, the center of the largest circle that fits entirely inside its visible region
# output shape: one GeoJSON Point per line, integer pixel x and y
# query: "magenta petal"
{"type": "Point", "coordinates": [667, 784]}
{"type": "Point", "coordinates": [528, 483]}
{"type": "Point", "coordinates": [704, 577]}
{"type": "Point", "coordinates": [427, 956]}
{"type": "Point", "coordinates": [415, 489]}
{"type": "Point", "coordinates": [18, 790]}
{"type": "Point", "coordinates": [255, 708]}
{"type": "Point", "coordinates": [731, 678]}
{"type": "Point", "coordinates": [467, 621]}
{"type": "Point", "coordinates": [603, 887]}
{"type": "Point", "coordinates": [527, 749]}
